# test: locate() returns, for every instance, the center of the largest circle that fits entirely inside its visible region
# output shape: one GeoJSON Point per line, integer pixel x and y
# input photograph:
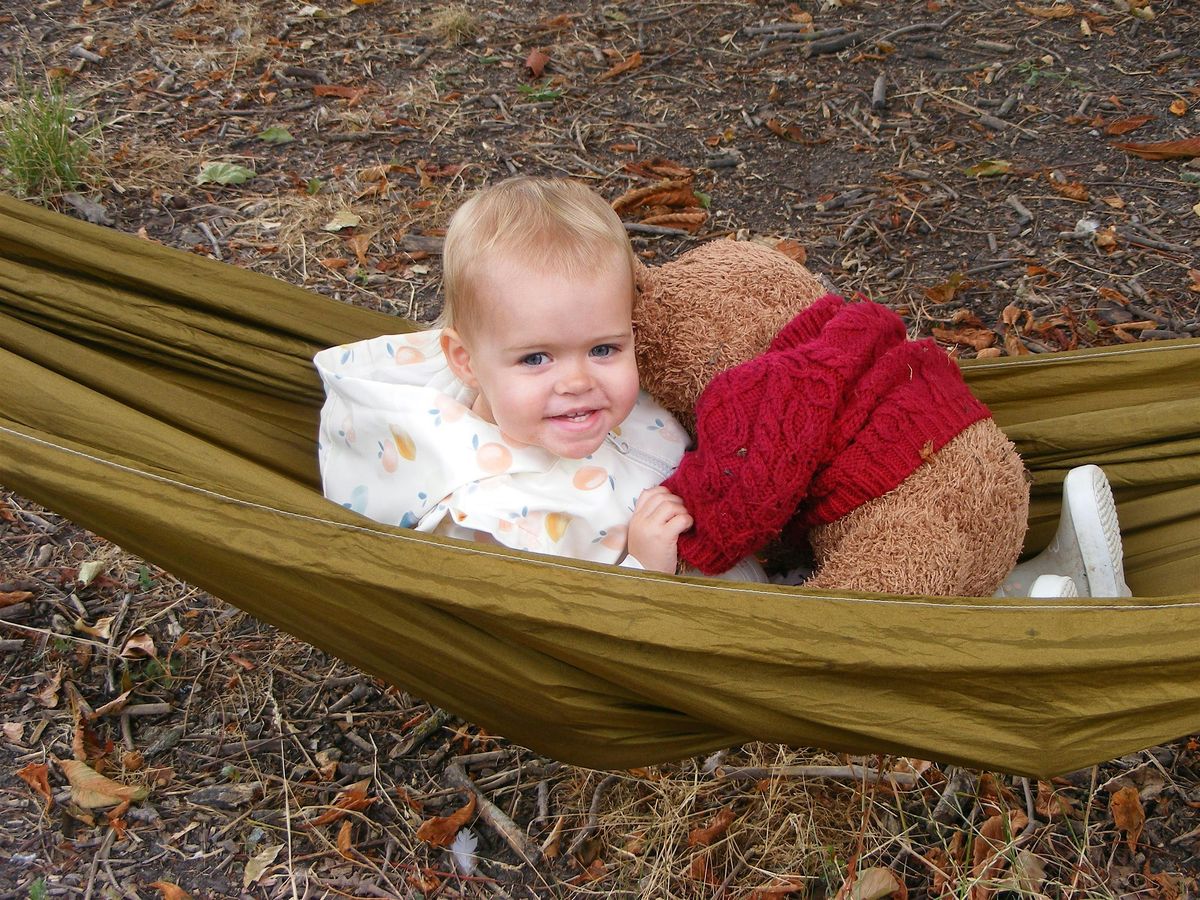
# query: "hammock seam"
{"type": "Point", "coordinates": [620, 573]}
{"type": "Point", "coordinates": [1048, 359]}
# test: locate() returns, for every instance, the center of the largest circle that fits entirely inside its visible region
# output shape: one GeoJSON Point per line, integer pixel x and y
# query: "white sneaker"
{"type": "Point", "coordinates": [1087, 546]}
{"type": "Point", "coordinates": [1054, 586]}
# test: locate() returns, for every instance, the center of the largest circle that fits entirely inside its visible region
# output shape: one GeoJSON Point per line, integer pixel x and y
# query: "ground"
{"type": "Point", "coordinates": [959, 161]}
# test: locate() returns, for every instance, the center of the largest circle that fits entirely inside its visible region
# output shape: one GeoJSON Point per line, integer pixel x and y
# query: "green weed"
{"type": "Point", "coordinates": [40, 155]}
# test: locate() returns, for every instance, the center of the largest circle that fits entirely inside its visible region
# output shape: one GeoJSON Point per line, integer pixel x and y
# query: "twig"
{"type": "Point", "coordinates": [851, 772]}
{"type": "Point", "coordinates": [593, 814]}
{"type": "Point", "coordinates": [212, 239]}
{"type": "Point", "coordinates": [512, 833]}
{"type": "Point", "coordinates": [1024, 216]}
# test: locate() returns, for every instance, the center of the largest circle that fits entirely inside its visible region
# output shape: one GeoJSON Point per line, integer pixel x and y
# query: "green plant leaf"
{"type": "Point", "coordinates": [224, 173]}
{"type": "Point", "coordinates": [276, 134]}
{"type": "Point", "coordinates": [989, 168]}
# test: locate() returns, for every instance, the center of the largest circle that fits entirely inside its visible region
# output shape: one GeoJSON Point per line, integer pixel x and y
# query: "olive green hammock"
{"type": "Point", "coordinates": [168, 403]}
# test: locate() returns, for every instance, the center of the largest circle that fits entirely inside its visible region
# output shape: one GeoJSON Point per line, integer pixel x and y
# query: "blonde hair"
{"type": "Point", "coordinates": [547, 224]}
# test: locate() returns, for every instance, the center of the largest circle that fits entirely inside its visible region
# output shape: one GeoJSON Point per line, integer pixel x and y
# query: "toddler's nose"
{"type": "Point", "coordinates": [575, 379]}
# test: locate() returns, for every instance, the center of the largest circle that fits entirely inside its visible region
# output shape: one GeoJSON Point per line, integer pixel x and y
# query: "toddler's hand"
{"type": "Point", "coordinates": [658, 520]}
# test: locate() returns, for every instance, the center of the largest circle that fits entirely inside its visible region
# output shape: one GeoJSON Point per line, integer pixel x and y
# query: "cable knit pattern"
{"type": "Point", "coordinates": [840, 409]}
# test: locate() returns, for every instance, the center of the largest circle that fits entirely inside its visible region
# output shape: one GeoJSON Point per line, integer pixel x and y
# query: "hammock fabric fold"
{"type": "Point", "coordinates": [168, 403]}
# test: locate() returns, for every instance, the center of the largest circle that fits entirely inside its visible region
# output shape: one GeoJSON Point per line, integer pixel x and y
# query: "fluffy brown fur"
{"type": "Point", "coordinates": [953, 528]}
{"type": "Point", "coordinates": [712, 308]}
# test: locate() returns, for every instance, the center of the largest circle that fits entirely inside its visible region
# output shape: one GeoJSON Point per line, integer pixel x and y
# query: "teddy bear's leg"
{"type": "Point", "coordinates": [953, 528]}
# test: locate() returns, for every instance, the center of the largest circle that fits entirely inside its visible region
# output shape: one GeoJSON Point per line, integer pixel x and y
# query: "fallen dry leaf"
{"type": "Point", "coordinates": [13, 731]}
{"type": "Point", "coordinates": [9, 598]}
{"type": "Point", "coordinates": [1072, 190]}
{"type": "Point", "coordinates": [37, 776]}
{"type": "Point", "coordinates": [979, 338]}
{"type": "Point", "coordinates": [91, 790]}
{"type": "Point", "coordinates": [360, 244]}
{"type": "Point", "coordinates": [440, 830]}
{"type": "Point", "coordinates": [1106, 238]}
{"type": "Point", "coordinates": [780, 889]}
{"type": "Point", "coordinates": [1124, 126]}
{"type": "Point", "coordinates": [1188, 148]}
{"type": "Point", "coordinates": [792, 250]}
{"type": "Point", "coordinates": [258, 864]}
{"type": "Point", "coordinates": [139, 646]}
{"type": "Point", "coordinates": [1194, 274]}
{"type": "Point", "coordinates": [702, 837]}
{"type": "Point", "coordinates": [1178, 107]}
{"type": "Point", "coordinates": [170, 890]}
{"type": "Point", "coordinates": [1128, 815]}
{"type": "Point", "coordinates": [1057, 11]}
{"type": "Point", "coordinates": [1114, 201]}
{"type": "Point", "coordinates": [685, 221]}
{"type": "Point", "coordinates": [633, 61]}
{"type": "Point", "coordinates": [536, 61]}
{"type": "Point", "coordinates": [345, 842]}
{"type": "Point", "coordinates": [677, 193]}
{"type": "Point", "coordinates": [350, 798]}
{"type": "Point", "coordinates": [873, 884]}
{"type": "Point", "coordinates": [48, 695]}
{"type": "Point", "coordinates": [944, 292]}
{"type": "Point", "coordinates": [114, 705]}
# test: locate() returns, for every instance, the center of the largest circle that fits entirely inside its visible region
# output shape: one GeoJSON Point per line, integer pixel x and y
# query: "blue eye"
{"type": "Point", "coordinates": [604, 350]}
{"type": "Point", "coordinates": [533, 359]}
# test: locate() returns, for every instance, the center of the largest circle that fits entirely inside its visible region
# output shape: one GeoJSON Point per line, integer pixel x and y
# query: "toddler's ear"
{"type": "Point", "coordinates": [458, 357]}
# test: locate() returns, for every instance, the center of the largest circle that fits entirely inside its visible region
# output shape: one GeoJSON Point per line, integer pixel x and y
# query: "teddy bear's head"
{"type": "Point", "coordinates": [712, 308]}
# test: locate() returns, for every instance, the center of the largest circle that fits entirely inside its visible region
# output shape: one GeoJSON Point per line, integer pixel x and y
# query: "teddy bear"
{"type": "Point", "coordinates": [750, 321]}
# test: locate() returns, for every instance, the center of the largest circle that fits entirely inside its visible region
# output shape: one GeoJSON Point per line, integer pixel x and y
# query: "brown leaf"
{"type": "Point", "coordinates": [1178, 107]}
{"type": "Point", "coordinates": [1128, 815]}
{"type": "Point", "coordinates": [1194, 274]}
{"type": "Point", "coordinates": [702, 837]}
{"type": "Point", "coordinates": [658, 194]}
{"type": "Point", "coordinates": [360, 244]}
{"type": "Point", "coordinates": [536, 61]}
{"type": "Point", "coordinates": [345, 843]}
{"type": "Point", "coordinates": [874, 884]}
{"type": "Point", "coordinates": [91, 790]}
{"type": "Point", "coordinates": [340, 91]}
{"type": "Point", "coordinates": [1124, 126]}
{"type": "Point", "coordinates": [48, 695]}
{"type": "Point", "coordinates": [658, 167]}
{"type": "Point", "coordinates": [633, 61]}
{"type": "Point", "coordinates": [979, 338]}
{"type": "Point", "coordinates": [1072, 190]}
{"type": "Point", "coordinates": [685, 221]}
{"type": "Point", "coordinates": [944, 292]}
{"type": "Point", "coordinates": [114, 705]}
{"type": "Point", "coordinates": [9, 598]}
{"type": "Point", "coordinates": [1052, 805]}
{"type": "Point", "coordinates": [1188, 148]}
{"type": "Point", "coordinates": [139, 646]}
{"type": "Point", "coordinates": [780, 889]}
{"type": "Point", "coordinates": [170, 890]}
{"type": "Point", "coordinates": [440, 830]}
{"type": "Point", "coordinates": [788, 132]}
{"type": "Point", "coordinates": [1057, 11]}
{"type": "Point", "coordinates": [792, 250]}
{"type": "Point", "coordinates": [36, 775]}
{"type": "Point", "coordinates": [349, 799]}
{"type": "Point", "coordinates": [1106, 239]}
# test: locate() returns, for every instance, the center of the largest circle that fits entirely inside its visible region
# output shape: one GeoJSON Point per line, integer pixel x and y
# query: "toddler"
{"type": "Point", "coordinates": [520, 421]}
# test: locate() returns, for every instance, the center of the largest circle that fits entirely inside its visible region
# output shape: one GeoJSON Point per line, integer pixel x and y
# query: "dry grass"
{"type": "Point", "coordinates": [455, 24]}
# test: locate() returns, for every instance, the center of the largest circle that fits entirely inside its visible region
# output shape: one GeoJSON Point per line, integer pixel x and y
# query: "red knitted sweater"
{"type": "Point", "coordinates": [840, 409]}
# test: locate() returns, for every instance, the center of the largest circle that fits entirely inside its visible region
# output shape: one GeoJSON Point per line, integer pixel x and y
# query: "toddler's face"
{"type": "Point", "coordinates": [552, 357]}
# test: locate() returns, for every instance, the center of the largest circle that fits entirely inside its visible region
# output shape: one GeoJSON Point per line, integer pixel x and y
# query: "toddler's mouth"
{"type": "Point", "coordinates": [576, 417]}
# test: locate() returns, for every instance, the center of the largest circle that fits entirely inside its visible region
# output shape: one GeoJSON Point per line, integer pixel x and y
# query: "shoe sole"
{"type": "Point", "coordinates": [1093, 514]}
